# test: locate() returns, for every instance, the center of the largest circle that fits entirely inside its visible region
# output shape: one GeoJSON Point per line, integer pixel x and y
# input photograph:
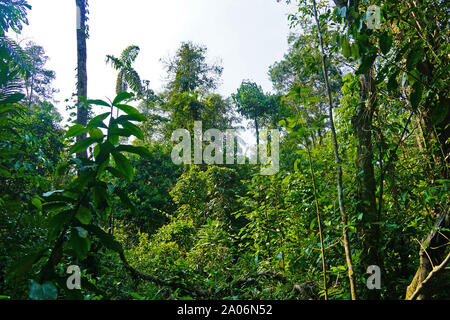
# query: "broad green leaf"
{"type": "Point", "coordinates": [414, 56]}
{"type": "Point", "coordinates": [118, 132]}
{"type": "Point", "coordinates": [96, 133]}
{"type": "Point", "coordinates": [134, 117]}
{"type": "Point", "coordinates": [366, 63]}
{"type": "Point", "coordinates": [416, 95]}
{"type": "Point", "coordinates": [355, 50]}
{"type": "Point", "coordinates": [57, 223]}
{"type": "Point", "coordinates": [392, 84]}
{"type": "Point", "coordinates": [123, 165]}
{"type": "Point", "coordinates": [37, 203]}
{"type": "Point", "coordinates": [385, 42]}
{"type": "Point", "coordinates": [105, 150]}
{"type": "Point", "coordinates": [84, 215]}
{"type": "Point", "coordinates": [6, 108]}
{"type": "Point", "coordinates": [81, 245]}
{"type": "Point", "coordinates": [98, 102]}
{"type": "Point", "coordinates": [106, 238]}
{"type": "Point", "coordinates": [76, 130]}
{"type": "Point", "coordinates": [440, 113]}
{"type": "Point", "coordinates": [134, 129]}
{"type": "Point", "coordinates": [129, 110]}
{"type": "Point", "coordinates": [346, 50]}
{"type": "Point", "coordinates": [98, 121]}
{"type": "Point", "coordinates": [101, 197]}
{"type": "Point", "coordinates": [122, 97]}
{"type": "Point", "coordinates": [82, 145]}
{"type": "Point", "coordinates": [141, 151]}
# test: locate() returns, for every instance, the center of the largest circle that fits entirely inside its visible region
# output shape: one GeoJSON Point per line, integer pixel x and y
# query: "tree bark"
{"type": "Point", "coordinates": [365, 175]}
{"type": "Point", "coordinates": [82, 111]}
{"type": "Point", "coordinates": [257, 137]}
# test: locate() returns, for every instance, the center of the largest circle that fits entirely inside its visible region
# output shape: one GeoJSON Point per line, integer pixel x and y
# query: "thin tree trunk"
{"type": "Point", "coordinates": [257, 138]}
{"type": "Point", "coordinates": [338, 164]}
{"type": "Point", "coordinates": [82, 112]}
{"type": "Point", "coordinates": [365, 175]}
{"type": "Point", "coordinates": [30, 99]}
{"type": "Point", "coordinates": [319, 222]}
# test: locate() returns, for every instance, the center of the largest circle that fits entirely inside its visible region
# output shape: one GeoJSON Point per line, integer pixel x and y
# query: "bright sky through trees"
{"type": "Point", "coordinates": [247, 36]}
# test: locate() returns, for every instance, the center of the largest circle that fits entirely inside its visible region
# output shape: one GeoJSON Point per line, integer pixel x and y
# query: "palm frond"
{"type": "Point", "coordinates": [133, 80]}
{"type": "Point", "coordinates": [114, 62]}
{"type": "Point", "coordinates": [129, 55]}
{"type": "Point", "coordinates": [11, 51]}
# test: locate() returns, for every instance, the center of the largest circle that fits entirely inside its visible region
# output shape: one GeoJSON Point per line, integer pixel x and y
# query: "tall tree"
{"type": "Point", "coordinates": [252, 103]}
{"type": "Point", "coordinates": [38, 84]}
{"type": "Point", "coordinates": [82, 35]}
{"type": "Point", "coordinates": [188, 70]}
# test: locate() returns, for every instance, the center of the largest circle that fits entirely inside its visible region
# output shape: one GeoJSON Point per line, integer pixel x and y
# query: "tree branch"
{"type": "Point", "coordinates": [435, 270]}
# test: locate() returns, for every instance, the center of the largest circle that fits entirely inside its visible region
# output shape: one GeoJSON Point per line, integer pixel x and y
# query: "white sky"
{"type": "Point", "coordinates": [246, 35]}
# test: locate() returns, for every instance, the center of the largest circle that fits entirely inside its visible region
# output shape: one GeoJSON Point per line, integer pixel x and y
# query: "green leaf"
{"type": "Point", "coordinates": [141, 151]}
{"type": "Point", "coordinates": [106, 238]}
{"type": "Point", "coordinates": [129, 110]}
{"type": "Point", "coordinates": [98, 102]}
{"type": "Point", "coordinates": [82, 233]}
{"type": "Point", "coordinates": [84, 215]}
{"type": "Point", "coordinates": [134, 117]}
{"type": "Point", "coordinates": [385, 42]}
{"type": "Point", "coordinates": [122, 97]}
{"type": "Point", "coordinates": [76, 130]}
{"type": "Point", "coordinates": [98, 121]}
{"type": "Point", "coordinates": [104, 152]}
{"type": "Point", "coordinates": [346, 50]}
{"type": "Point", "coordinates": [134, 129]}
{"type": "Point", "coordinates": [366, 63]}
{"type": "Point", "coordinates": [82, 145]}
{"type": "Point", "coordinates": [392, 84]}
{"type": "Point", "coordinates": [46, 291]}
{"type": "Point", "coordinates": [96, 133]}
{"type": "Point", "coordinates": [13, 98]}
{"type": "Point", "coordinates": [58, 222]}
{"type": "Point", "coordinates": [118, 132]}
{"type": "Point", "coordinates": [416, 95]}
{"type": "Point", "coordinates": [123, 165]}
{"type": "Point", "coordinates": [355, 50]}
{"type": "Point", "coordinates": [80, 245]}
{"type": "Point", "coordinates": [439, 113]}
{"type": "Point", "coordinates": [414, 56]}
{"type": "Point", "coordinates": [37, 203]}
{"type": "Point", "coordinates": [101, 198]}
